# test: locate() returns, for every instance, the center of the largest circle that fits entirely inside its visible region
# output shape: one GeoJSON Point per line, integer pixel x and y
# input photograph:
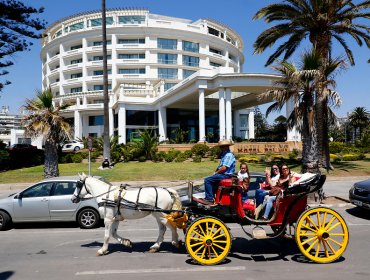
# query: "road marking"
{"type": "Point", "coordinates": [161, 270]}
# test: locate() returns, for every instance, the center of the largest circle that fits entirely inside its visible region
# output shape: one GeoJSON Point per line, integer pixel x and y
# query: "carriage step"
{"type": "Point", "coordinates": [259, 233]}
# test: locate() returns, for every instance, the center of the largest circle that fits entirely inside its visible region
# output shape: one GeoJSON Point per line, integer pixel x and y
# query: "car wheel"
{"type": "Point", "coordinates": [4, 220]}
{"type": "Point", "coordinates": [88, 218]}
{"type": "Point", "coordinates": [76, 149]}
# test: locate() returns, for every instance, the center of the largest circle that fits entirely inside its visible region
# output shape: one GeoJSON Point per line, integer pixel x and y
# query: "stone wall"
{"type": "Point", "coordinates": [244, 147]}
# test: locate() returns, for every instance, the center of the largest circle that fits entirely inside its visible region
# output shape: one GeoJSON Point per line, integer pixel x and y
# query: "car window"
{"type": "Point", "coordinates": [42, 189]}
{"type": "Point", "coordinates": [64, 188]}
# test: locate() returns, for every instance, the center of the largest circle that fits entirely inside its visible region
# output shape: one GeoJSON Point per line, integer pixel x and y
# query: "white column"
{"type": "Point", "coordinates": [229, 122]}
{"type": "Point", "coordinates": [122, 124]}
{"type": "Point", "coordinates": [251, 125]}
{"type": "Point", "coordinates": [292, 134]}
{"type": "Point", "coordinates": [221, 109]}
{"type": "Point", "coordinates": [111, 115]}
{"type": "Point", "coordinates": [237, 123]}
{"type": "Point", "coordinates": [162, 123]}
{"type": "Point", "coordinates": [202, 121]}
{"type": "Point", "coordinates": [77, 125]}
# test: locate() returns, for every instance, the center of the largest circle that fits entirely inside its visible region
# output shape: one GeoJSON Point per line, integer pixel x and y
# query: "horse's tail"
{"type": "Point", "coordinates": [177, 205]}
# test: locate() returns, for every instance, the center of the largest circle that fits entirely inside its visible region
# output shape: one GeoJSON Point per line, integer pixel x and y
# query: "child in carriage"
{"type": "Point", "coordinates": [243, 177]}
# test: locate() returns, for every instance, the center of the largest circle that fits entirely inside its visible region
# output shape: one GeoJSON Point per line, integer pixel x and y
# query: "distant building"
{"type": "Point", "coordinates": [164, 73]}
{"type": "Point", "coordinates": [11, 131]}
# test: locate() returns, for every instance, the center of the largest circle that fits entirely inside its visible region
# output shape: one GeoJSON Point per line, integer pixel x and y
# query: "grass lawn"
{"type": "Point", "coordinates": [164, 171]}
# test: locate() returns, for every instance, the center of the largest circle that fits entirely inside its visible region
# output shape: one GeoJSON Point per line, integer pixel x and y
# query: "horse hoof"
{"type": "Point", "coordinates": [153, 250]}
{"type": "Point", "coordinates": [99, 254]}
{"type": "Point", "coordinates": [176, 244]}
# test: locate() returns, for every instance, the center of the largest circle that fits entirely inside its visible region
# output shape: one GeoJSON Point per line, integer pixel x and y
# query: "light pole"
{"type": "Point", "coordinates": [106, 140]}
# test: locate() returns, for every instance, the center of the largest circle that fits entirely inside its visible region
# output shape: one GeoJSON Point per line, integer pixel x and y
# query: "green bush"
{"type": "Point", "coordinates": [293, 154]}
{"type": "Point", "coordinates": [351, 157]}
{"type": "Point", "coordinates": [336, 147]}
{"type": "Point", "coordinates": [181, 157]}
{"type": "Point", "coordinates": [197, 159]}
{"type": "Point", "coordinates": [334, 158]}
{"type": "Point", "coordinates": [200, 149]}
{"type": "Point", "coordinates": [188, 153]}
{"type": "Point", "coordinates": [4, 160]}
{"type": "Point", "coordinates": [76, 158]}
{"type": "Point", "coordinates": [142, 159]}
{"type": "Point", "coordinates": [215, 151]}
{"type": "Point", "coordinates": [169, 157]}
{"type": "Point", "coordinates": [159, 156]}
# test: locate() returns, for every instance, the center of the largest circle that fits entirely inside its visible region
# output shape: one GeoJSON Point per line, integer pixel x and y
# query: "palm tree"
{"type": "Point", "coordinates": [44, 120]}
{"type": "Point", "coordinates": [299, 85]}
{"type": "Point", "coordinates": [359, 119]}
{"type": "Point", "coordinates": [147, 146]}
{"type": "Point", "coordinates": [322, 22]}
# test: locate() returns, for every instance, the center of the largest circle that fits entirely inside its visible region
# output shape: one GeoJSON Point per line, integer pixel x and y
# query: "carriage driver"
{"type": "Point", "coordinates": [225, 169]}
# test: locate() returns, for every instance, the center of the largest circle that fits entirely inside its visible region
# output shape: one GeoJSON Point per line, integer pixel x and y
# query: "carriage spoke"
{"type": "Point", "coordinates": [337, 234]}
{"type": "Point", "coordinates": [334, 241]}
{"type": "Point", "coordinates": [330, 222]}
{"type": "Point", "coordinates": [333, 227]}
{"type": "Point", "coordinates": [307, 234]}
{"type": "Point", "coordinates": [214, 251]}
{"type": "Point", "coordinates": [201, 228]}
{"type": "Point", "coordinates": [197, 250]}
{"type": "Point", "coordinates": [218, 246]}
{"type": "Point", "coordinates": [196, 244]}
{"type": "Point", "coordinates": [198, 233]}
{"type": "Point", "coordinates": [312, 223]}
{"type": "Point", "coordinates": [318, 219]}
{"type": "Point", "coordinates": [324, 219]}
{"type": "Point", "coordinates": [311, 246]}
{"type": "Point", "coordinates": [326, 249]}
{"type": "Point", "coordinates": [329, 245]}
{"type": "Point", "coordinates": [309, 240]}
{"type": "Point", "coordinates": [309, 228]}
{"type": "Point", "coordinates": [218, 236]}
{"type": "Point", "coordinates": [318, 249]}
{"type": "Point", "coordinates": [217, 231]}
{"type": "Point", "coordinates": [196, 238]}
{"type": "Point", "coordinates": [203, 253]}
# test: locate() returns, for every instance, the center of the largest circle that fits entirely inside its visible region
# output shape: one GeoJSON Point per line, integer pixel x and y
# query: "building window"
{"type": "Point", "coordinates": [167, 58]}
{"type": "Point", "coordinates": [167, 73]}
{"type": "Point", "coordinates": [131, 55]}
{"type": "Point", "coordinates": [167, 86]}
{"type": "Point", "coordinates": [214, 64]}
{"type": "Point", "coordinates": [76, 75]}
{"type": "Point", "coordinates": [76, 89]}
{"type": "Point", "coordinates": [131, 41]}
{"type": "Point", "coordinates": [134, 117]}
{"type": "Point", "coordinates": [96, 120]}
{"type": "Point", "coordinates": [131, 19]}
{"type": "Point", "coordinates": [76, 61]}
{"type": "Point", "coordinates": [190, 46]}
{"type": "Point", "coordinates": [76, 47]}
{"type": "Point", "coordinates": [213, 31]}
{"type": "Point", "coordinates": [99, 21]}
{"type": "Point", "coordinates": [131, 71]}
{"type": "Point", "coordinates": [168, 44]}
{"type": "Point", "coordinates": [100, 57]}
{"type": "Point", "coordinates": [100, 43]}
{"type": "Point", "coordinates": [244, 120]}
{"type": "Point", "coordinates": [101, 87]}
{"type": "Point", "coordinates": [100, 72]}
{"type": "Point", "coordinates": [76, 26]}
{"type": "Point", "coordinates": [59, 33]}
{"type": "Point", "coordinates": [190, 60]}
{"type": "Point", "coordinates": [187, 73]}
{"type": "Point", "coordinates": [212, 50]}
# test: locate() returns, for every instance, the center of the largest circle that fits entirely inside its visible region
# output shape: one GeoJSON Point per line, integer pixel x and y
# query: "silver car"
{"type": "Point", "coordinates": [49, 201]}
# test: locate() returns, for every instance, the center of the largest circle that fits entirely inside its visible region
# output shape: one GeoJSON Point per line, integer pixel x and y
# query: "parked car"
{"type": "Point", "coordinates": [359, 194]}
{"type": "Point", "coordinates": [49, 201]}
{"type": "Point", "coordinates": [73, 145]}
{"type": "Point", "coordinates": [21, 147]}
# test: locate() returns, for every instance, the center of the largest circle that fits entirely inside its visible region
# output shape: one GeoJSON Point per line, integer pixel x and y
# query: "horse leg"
{"type": "Point", "coordinates": [107, 233]}
{"type": "Point", "coordinates": [162, 230]}
{"type": "Point", "coordinates": [121, 240]}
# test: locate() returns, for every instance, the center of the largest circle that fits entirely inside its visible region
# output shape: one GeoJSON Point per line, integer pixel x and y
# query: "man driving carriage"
{"type": "Point", "coordinates": [224, 170]}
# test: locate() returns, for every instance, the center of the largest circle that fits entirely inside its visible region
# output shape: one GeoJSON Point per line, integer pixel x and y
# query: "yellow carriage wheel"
{"type": "Point", "coordinates": [321, 234]}
{"type": "Point", "coordinates": [208, 241]}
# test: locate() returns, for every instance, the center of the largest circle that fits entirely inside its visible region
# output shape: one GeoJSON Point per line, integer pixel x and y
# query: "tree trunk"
{"type": "Point", "coordinates": [51, 168]}
{"type": "Point", "coordinates": [310, 155]}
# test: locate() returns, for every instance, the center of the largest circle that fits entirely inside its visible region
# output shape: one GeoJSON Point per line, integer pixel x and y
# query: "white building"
{"type": "Point", "coordinates": [164, 73]}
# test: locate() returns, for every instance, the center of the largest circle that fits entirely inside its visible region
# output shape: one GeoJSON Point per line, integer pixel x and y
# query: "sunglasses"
{"type": "Point", "coordinates": [275, 168]}
{"type": "Point", "coordinates": [285, 169]}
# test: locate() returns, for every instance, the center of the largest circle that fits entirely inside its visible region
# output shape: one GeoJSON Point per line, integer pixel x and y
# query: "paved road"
{"type": "Point", "coordinates": [63, 251]}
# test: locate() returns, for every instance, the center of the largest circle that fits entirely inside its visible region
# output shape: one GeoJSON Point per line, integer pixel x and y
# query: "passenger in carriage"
{"type": "Point", "coordinates": [243, 177]}
{"type": "Point", "coordinates": [272, 176]}
{"type": "Point", "coordinates": [286, 179]}
{"type": "Point", "coordinates": [225, 169]}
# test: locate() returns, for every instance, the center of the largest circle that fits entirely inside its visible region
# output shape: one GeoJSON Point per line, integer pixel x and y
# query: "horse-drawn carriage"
{"type": "Point", "coordinates": [320, 233]}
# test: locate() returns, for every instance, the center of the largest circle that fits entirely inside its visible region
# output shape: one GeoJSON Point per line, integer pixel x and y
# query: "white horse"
{"type": "Point", "coordinates": [148, 197]}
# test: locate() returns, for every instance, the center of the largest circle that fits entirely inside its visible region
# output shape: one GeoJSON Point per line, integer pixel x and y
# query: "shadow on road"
{"type": "Point", "coordinates": [359, 213]}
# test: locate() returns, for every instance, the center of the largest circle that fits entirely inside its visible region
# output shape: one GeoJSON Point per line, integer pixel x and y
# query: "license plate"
{"type": "Point", "coordinates": [356, 202]}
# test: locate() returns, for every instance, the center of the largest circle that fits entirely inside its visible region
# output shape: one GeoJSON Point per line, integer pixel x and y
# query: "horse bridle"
{"type": "Point", "coordinates": [81, 184]}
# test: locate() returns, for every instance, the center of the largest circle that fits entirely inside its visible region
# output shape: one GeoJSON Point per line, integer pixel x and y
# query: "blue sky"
{"type": "Point", "coordinates": [25, 75]}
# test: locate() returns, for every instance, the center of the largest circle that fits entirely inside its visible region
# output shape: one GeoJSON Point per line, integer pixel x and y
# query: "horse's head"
{"type": "Point", "coordinates": [81, 190]}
